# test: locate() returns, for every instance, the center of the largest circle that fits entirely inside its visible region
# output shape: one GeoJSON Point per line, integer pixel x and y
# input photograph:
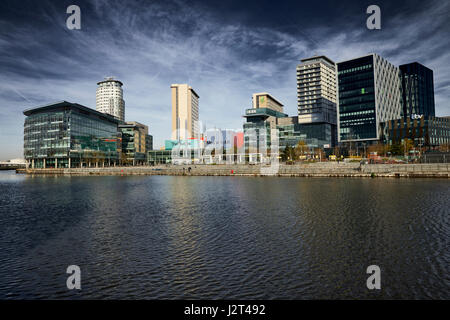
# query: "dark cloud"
{"type": "Point", "coordinates": [225, 49]}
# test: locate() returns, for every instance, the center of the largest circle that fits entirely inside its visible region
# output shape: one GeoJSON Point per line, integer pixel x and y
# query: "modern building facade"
{"type": "Point", "coordinates": [316, 90]}
{"type": "Point", "coordinates": [267, 119]}
{"type": "Point", "coordinates": [109, 98]}
{"type": "Point", "coordinates": [69, 135]}
{"type": "Point", "coordinates": [428, 132]}
{"type": "Point", "coordinates": [261, 120]}
{"type": "Point", "coordinates": [185, 112]}
{"type": "Point", "coordinates": [313, 134]}
{"type": "Point", "coordinates": [135, 143]}
{"type": "Point", "coordinates": [368, 94]}
{"type": "Point", "coordinates": [417, 90]}
{"type": "Point", "coordinates": [316, 98]}
{"type": "Point", "coordinates": [264, 100]}
{"type": "Point", "coordinates": [155, 157]}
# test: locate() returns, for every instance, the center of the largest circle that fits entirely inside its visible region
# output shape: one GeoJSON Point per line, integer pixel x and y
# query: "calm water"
{"type": "Point", "coordinates": [162, 237]}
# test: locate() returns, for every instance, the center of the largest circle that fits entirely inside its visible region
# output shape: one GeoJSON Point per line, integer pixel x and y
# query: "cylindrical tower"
{"type": "Point", "coordinates": [109, 98]}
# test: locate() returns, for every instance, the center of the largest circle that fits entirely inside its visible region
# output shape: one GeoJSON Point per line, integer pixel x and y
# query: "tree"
{"type": "Point", "coordinates": [337, 151]}
{"type": "Point", "coordinates": [287, 154]}
{"type": "Point", "coordinates": [380, 148]}
{"type": "Point", "coordinates": [300, 148]}
{"type": "Point", "coordinates": [408, 145]}
{"type": "Point", "coordinates": [396, 149]}
{"type": "Point", "coordinates": [444, 147]}
{"type": "Point", "coordinates": [319, 153]}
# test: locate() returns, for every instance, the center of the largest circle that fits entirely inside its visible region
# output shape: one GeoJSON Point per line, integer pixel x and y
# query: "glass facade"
{"type": "Point", "coordinates": [357, 110]}
{"type": "Point", "coordinates": [67, 134]}
{"type": "Point", "coordinates": [426, 131]}
{"type": "Point", "coordinates": [315, 135]}
{"type": "Point", "coordinates": [155, 157]}
{"type": "Point", "coordinates": [135, 140]}
{"type": "Point", "coordinates": [417, 90]}
{"type": "Point", "coordinates": [253, 138]}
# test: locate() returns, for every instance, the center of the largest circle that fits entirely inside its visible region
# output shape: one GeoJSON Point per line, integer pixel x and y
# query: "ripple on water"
{"type": "Point", "coordinates": [223, 237]}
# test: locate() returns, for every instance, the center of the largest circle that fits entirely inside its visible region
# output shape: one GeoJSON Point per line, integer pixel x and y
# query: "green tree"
{"type": "Point", "coordinates": [287, 154]}
{"type": "Point", "coordinates": [407, 146]}
{"type": "Point", "coordinates": [300, 149]}
{"type": "Point", "coordinates": [396, 149]}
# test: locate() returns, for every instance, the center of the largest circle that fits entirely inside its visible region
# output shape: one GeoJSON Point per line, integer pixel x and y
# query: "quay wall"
{"type": "Point", "coordinates": [325, 169]}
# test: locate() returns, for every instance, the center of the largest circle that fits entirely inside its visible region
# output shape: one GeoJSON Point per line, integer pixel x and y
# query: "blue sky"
{"type": "Point", "coordinates": [226, 50]}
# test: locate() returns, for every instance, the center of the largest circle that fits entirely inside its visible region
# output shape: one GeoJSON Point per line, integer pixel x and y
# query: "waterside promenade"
{"type": "Point", "coordinates": [440, 170]}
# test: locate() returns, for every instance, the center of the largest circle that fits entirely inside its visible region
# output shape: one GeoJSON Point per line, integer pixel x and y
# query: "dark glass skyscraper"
{"type": "Point", "coordinates": [417, 90]}
{"type": "Point", "coordinates": [368, 93]}
{"type": "Point", "coordinates": [357, 99]}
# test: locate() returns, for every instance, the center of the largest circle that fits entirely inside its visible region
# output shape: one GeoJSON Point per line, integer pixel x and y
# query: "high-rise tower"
{"type": "Point", "coordinates": [109, 98]}
{"type": "Point", "coordinates": [369, 94]}
{"type": "Point", "coordinates": [316, 90]}
{"type": "Point", "coordinates": [184, 112]}
{"type": "Point", "coordinates": [417, 90]}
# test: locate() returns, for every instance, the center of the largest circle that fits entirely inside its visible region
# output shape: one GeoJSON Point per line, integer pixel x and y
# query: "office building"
{"type": "Point", "coordinates": [428, 132]}
{"type": "Point", "coordinates": [264, 100]}
{"type": "Point", "coordinates": [135, 143]}
{"type": "Point", "coordinates": [290, 131]}
{"type": "Point", "coordinates": [368, 94]}
{"type": "Point", "coordinates": [185, 113]}
{"type": "Point", "coordinates": [69, 135]}
{"type": "Point", "coordinates": [109, 98]}
{"type": "Point", "coordinates": [417, 90]}
{"type": "Point", "coordinates": [261, 119]}
{"type": "Point", "coordinates": [156, 157]}
{"type": "Point", "coordinates": [313, 134]}
{"type": "Point", "coordinates": [316, 90]}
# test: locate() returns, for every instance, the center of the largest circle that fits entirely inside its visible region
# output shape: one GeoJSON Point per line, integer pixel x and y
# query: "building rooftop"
{"type": "Point", "coordinates": [62, 104]}
{"type": "Point", "coordinates": [268, 95]}
{"type": "Point", "coordinates": [316, 58]}
{"type": "Point", "coordinates": [133, 124]}
{"type": "Point", "coordinates": [264, 112]}
{"type": "Point", "coordinates": [415, 63]}
{"type": "Point", "coordinates": [110, 79]}
{"type": "Point", "coordinates": [185, 84]}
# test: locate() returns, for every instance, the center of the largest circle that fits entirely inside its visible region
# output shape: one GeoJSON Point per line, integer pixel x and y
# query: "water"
{"type": "Point", "coordinates": [163, 237]}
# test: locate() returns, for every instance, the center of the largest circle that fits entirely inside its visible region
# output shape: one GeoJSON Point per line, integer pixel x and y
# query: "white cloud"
{"type": "Point", "coordinates": [150, 49]}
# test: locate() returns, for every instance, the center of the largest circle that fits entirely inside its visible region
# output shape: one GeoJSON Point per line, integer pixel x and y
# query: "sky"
{"type": "Point", "coordinates": [226, 50]}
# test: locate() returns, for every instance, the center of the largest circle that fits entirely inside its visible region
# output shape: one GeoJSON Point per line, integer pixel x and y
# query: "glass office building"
{"type": "Point", "coordinates": [290, 132]}
{"type": "Point", "coordinates": [258, 130]}
{"type": "Point", "coordinates": [417, 90]}
{"type": "Point", "coordinates": [155, 157]}
{"type": "Point", "coordinates": [69, 135]}
{"type": "Point", "coordinates": [135, 143]}
{"type": "Point", "coordinates": [368, 94]}
{"type": "Point", "coordinates": [428, 132]}
{"type": "Point", "coordinates": [313, 134]}
{"type": "Point", "coordinates": [357, 115]}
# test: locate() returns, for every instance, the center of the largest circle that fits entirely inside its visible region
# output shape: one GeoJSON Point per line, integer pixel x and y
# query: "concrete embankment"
{"type": "Point", "coordinates": [325, 169]}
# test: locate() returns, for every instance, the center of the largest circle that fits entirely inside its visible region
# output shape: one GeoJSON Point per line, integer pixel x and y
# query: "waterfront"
{"type": "Point", "coordinates": [317, 169]}
{"type": "Point", "coordinates": [175, 237]}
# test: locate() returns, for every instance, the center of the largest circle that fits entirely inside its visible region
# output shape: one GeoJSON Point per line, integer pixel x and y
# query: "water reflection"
{"type": "Point", "coordinates": [223, 237]}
